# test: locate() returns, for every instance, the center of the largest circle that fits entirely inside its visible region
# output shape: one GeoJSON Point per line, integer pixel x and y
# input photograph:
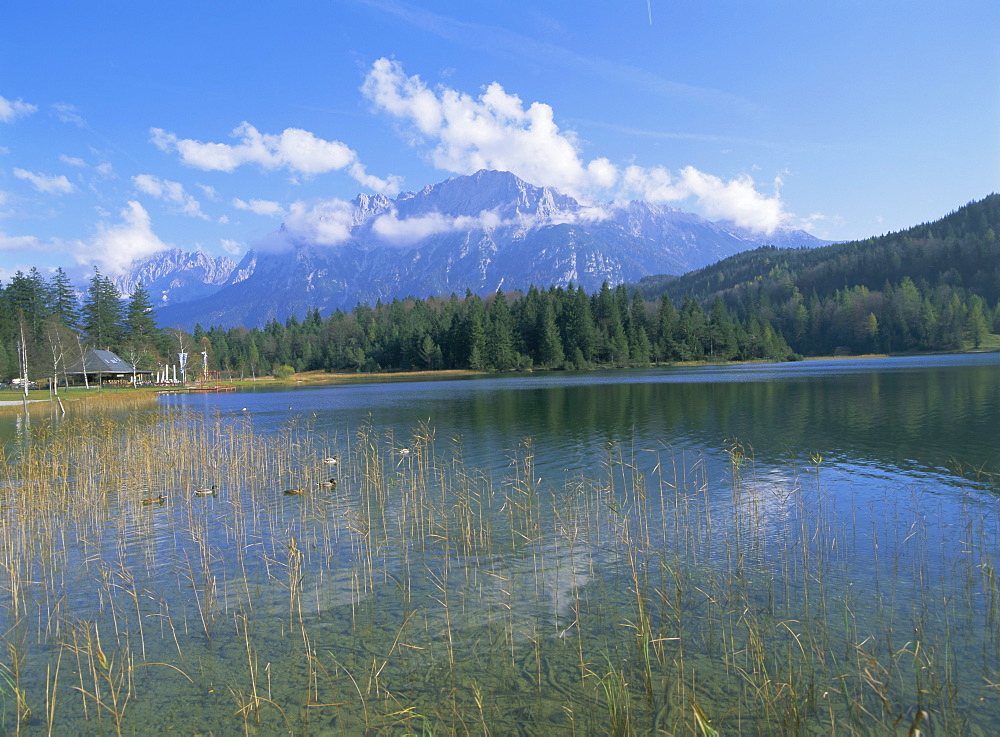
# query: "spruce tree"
{"type": "Point", "coordinates": [502, 355]}
{"type": "Point", "coordinates": [63, 303]}
{"type": "Point", "coordinates": [140, 326]}
{"type": "Point", "coordinates": [103, 313]}
{"type": "Point", "coordinates": [474, 332]}
{"type": "Point", "coordinates": [550, 350]}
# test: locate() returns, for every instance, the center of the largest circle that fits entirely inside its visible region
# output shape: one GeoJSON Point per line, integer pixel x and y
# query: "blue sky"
{"type": "Point", "coordinates": [128, 127]}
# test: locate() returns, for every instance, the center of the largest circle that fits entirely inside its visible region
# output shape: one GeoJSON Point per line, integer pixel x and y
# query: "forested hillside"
{"type": "Point", "coordinates": [549, 328]}
{"type": "Point", "coordinates": [927, 288]}
{"type": "Point", "coordinates": [933, 287]}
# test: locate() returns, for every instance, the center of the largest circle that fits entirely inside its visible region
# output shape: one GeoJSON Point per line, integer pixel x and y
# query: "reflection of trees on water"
{"type": "Point", "coordinates": [923, 419]}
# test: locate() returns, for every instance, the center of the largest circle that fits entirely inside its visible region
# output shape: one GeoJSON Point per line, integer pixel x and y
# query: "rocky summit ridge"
{"type": "Point", "coordinates": [479, 232]}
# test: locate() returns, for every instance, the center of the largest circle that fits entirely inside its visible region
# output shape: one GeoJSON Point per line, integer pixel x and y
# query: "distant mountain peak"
{"type": "Point", "coordinates": [175, 275]}
{"type": "Point", "coordinates": [500, 192]}
{"type": "Point", "coordinates": [476, 232]}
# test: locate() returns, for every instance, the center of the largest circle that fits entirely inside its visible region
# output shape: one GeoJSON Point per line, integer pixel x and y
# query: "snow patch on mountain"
{"type": "Point", "coordinates": [473, 232]}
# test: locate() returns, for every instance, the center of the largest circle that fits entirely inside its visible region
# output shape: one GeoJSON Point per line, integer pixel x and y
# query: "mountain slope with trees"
{"type": "Point", "coordinates": [930, 287]}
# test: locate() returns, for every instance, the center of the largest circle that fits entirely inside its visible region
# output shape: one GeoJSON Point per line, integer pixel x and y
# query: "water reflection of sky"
{"type": "Point", "coordinates": [847, 481]}
{"type": "Point", "coordinates": [924, 416]}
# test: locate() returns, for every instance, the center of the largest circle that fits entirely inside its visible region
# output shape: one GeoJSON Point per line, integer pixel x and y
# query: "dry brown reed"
{"type": "Point", "coordinates": [420, 593]}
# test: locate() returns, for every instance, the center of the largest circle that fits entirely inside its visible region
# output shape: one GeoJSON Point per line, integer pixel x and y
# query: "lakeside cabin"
{"type": "Point", "coordinates": [104, 367]}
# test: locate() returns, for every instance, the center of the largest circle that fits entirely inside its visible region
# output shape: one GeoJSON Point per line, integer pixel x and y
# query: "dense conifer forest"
{"type": "Point", "coordinates": [932, 287]}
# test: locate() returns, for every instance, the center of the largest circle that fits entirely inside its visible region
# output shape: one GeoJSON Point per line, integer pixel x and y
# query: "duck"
{"type": "Point", "coordinates": [154, 500]}
{"type": "Point", "coordinates": [331, 461]}
{"type": "Point", "coordinates": [330, 483]}
{"type": "Point", "coordinates": [404, 451]}
{"type": "Point", "coordinates": [294, 492]}
{"type": "Point", "coordinates": [206, 492]}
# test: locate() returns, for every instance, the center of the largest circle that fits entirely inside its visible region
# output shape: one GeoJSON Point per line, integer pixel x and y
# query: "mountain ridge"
{"type": "Point", "coordinates": [478, 232]}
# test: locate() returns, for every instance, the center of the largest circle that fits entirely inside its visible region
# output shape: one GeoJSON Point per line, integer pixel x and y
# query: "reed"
{"type": "Point", "coordinates": [420, 593]}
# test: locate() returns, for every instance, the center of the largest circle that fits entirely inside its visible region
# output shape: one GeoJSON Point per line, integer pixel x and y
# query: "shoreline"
{"type": "Point", "coordinates": [323, 378]}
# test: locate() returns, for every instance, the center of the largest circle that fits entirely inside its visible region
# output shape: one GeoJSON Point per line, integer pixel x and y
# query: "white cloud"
{"type": "Point", "coordinates": [10, 110]}
{"type": "Point", "coordinates": [294, 149]}
{"type": "Point", "coordinates": [72, 161]}
{"type": "Point", "coordinates": [44, 183]}
{"type": "Point", "coordinates": [19, 243]}
{"type": "Point", "coordinates": [260, 207]}
{"type": "Point", "coordinates": [117, 246]}
{"type": "Point", "coordinates": [326, 222]}
{"type": "Point", "coordinates": [403, 232]}
{"type": "Point", "coordinates": [233, 248]}
{"type": "Point", "coordinates": [737, 199]}
{"type": "Point", "coordinates": [67, 113]}
{"type": "Point", "coordinates": [410, 230]}
{"type": "Point", "coordinates": [496, 131]}
{"type": "Point", "coordinates": [172, 192]}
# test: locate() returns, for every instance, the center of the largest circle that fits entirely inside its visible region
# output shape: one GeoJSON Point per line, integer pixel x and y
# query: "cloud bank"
{"type": "Point", "coordinates": [496, 131]}
{"type": "Point", "coordinates": [324, 222]}
{"type": "Point", "coordinates": [294, 150]}
{"type": "Point", "coordinates": [11, 110]}
{"type": "Point", "coordinates": [259, 207]}
{"type": "Point", "coordinates": [117, 246]}
{"type": "Point", "coordinates": [44, 183]}
{"type": "Point", "coordinates": [172, 192]}
{"type": "Point", "coordinates": [404, 232]}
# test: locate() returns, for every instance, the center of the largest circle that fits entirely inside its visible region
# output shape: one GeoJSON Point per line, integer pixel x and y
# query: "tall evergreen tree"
{"type": "Point", "coordinates": [62, 300]}
{"type": "Point", "coordinates": [27, 298]}
{"type": "Point", "coordinates": [103, 313]}
{"type": "Point", "coordinates": [720, 333]}
{"type": "Point", "coordinates": [140, 325]}
{"type": "Point", "coordinates": [550, 350]}
{"type": "Point", "coordinates": [666, 330]}
{"type": "Point", "coordinates": [501, 353]}
{"type": "Point", "coordinates": [576, 324]}
{"type": "Point", "coordinates": [474, 332]}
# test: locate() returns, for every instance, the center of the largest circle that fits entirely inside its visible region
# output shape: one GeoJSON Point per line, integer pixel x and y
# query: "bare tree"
{"type": "Point", "coordinates": [22, 354]}
{"type": "Point", "coordinates": [83, 360]}
{"type": "Point", "coordinates": [57, 336]}
{"type": "Point", "coordinates": [182, 345]}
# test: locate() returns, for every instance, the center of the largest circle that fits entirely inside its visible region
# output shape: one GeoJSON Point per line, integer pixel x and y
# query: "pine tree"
{"type": "Point", "coordinates": [27, 298]}
{"type": "Point", "coordinates": [550, 350]}
{"type": "Point", "coordinates": [579, 329]}
{"type": "Point", "coordinates": [140, 326]}
{"type": "Point", "coordinates": [666, 329]}
{"type": "Point", "coordinates": [103, 312]}
{"type": "Point", "coordinates": [975, 322]}
{"type": "Point", "coordinates": [501, 335]}
{"type": "Point", "coordinates": [474, 332]}
{"type": "Point", "coordinates": [721, 338]}
{"type": "Point", "coordinates": [62, 300]}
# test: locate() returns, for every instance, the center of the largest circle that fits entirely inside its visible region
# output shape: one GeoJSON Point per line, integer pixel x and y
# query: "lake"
{"type": "Point", "coordinates": [785, 548]}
